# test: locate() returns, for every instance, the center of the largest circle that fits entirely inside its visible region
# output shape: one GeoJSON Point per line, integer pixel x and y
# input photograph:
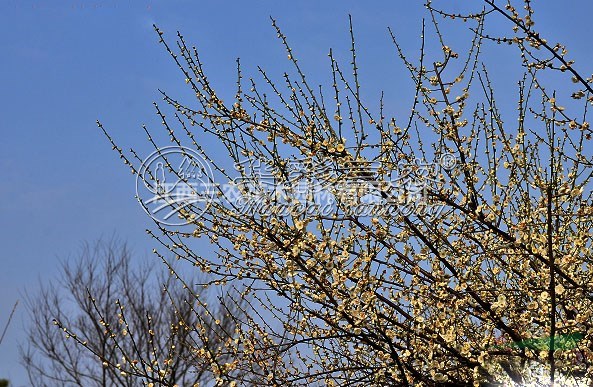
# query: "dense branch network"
{"type": "Point", "coordinates": [461, 285]}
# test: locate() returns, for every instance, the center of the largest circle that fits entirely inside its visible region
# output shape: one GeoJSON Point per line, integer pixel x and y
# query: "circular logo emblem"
{"type": "Point", "coordinates": [448, 161]}
{"type": "Point", "coordinates": [175, 185]}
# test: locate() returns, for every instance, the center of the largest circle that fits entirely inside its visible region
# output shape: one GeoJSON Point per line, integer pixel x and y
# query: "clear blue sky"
{"type": "Point", "coordinates": [67, 63]}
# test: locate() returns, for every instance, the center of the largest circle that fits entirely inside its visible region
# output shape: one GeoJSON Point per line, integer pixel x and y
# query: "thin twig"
{"type": "Point", "coordinates": [9, 320]}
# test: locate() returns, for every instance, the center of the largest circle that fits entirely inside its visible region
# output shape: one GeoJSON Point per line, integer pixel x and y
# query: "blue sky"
{"type": "Point", "coordinates": [66, 64]}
